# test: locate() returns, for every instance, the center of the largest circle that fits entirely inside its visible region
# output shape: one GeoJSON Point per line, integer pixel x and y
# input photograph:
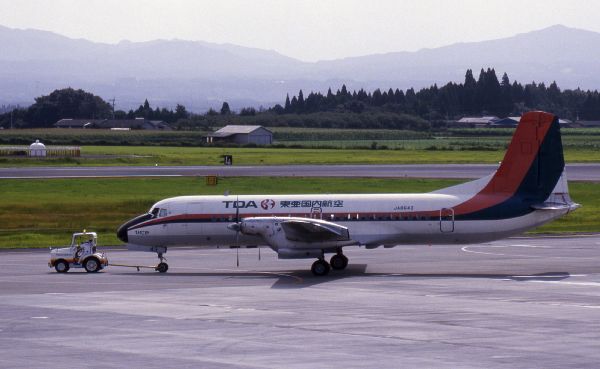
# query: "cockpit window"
{"type": "Point", "coordinates": [154, 212]}
{"type": "Point", "coordinates": [162, 213]}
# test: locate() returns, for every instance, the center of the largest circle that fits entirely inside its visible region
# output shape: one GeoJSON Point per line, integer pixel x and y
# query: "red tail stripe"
{"type": "Point", "coordinates": [519, 157]}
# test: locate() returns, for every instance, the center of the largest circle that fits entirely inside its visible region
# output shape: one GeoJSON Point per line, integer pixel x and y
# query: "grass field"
{"type": "Point", "coordinates": [148, 155]}
{"type": "Point", "coordinates": [319, 146]}
{"type": "Point", "coordinates": [44, 213]}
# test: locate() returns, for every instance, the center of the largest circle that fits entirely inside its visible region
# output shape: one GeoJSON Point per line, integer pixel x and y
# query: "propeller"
{"type": "Point", "coordinates": [237, 227]}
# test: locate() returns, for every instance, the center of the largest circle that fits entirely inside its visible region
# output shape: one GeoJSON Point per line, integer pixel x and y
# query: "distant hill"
{"type": "Point", "coordinates": [202, 75]}
{"type": "Point", "coordinates": [567, 55]}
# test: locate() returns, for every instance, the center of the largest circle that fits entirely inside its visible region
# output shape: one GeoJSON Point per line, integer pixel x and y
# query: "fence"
{"type": "Point", "coordinates": [51, 151]}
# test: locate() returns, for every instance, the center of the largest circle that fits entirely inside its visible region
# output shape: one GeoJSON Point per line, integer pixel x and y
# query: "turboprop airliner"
{"type": "Point", "coordinates": [527, 190]}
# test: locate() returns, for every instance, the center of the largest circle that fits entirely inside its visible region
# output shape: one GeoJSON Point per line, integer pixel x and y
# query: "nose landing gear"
{"type": "Point", "coordinates": [162, 267]}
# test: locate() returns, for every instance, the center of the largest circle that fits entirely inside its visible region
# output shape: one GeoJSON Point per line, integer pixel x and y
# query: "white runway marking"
{"type": "Point", "coordinates": [466, 249]}
{"type": "Point", "coordinates": [546, 276]}
{"type": "Point", "coordinates": [587, 284]}
{"type": "Point", "coordinates": [533, 246]}
{"type": "Point", "coordinates": [39, 317]}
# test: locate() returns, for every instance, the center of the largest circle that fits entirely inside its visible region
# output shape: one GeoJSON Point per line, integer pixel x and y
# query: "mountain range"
{"type": "Point", "coordinates": [200, 75]}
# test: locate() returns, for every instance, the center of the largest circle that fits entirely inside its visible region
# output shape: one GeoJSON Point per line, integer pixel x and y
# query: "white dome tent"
{"type": "Point", "coordinates": [37, 149]}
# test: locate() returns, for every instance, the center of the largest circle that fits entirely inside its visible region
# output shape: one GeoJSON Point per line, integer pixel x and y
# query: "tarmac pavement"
{"type": "Point", "coordinates": [517, 303]}
{"type": "Point", "coordinates": [576, 172]}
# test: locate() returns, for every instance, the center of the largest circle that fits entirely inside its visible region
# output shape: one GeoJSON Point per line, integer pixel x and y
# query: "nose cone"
{"type": "Point", "coordinates": [122, 233]}
{"type": "Point", "coordinates": [124, 228]}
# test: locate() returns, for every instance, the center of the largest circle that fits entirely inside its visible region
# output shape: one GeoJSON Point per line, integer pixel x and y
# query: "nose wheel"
{"type": "Point", "coordinates": [162, 267]}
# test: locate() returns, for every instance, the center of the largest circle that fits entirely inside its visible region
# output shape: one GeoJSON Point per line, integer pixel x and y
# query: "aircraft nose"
{"type": "Point", "coordinates": [122, 233]}
{"type": "Point", "coordinates": [122, 230]}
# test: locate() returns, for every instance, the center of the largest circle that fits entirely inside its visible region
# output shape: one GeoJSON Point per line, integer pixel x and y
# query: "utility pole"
{"type": "Point", "coordinates": [11, 119]}
{"type": "Point", "coordinates": [113, 107]}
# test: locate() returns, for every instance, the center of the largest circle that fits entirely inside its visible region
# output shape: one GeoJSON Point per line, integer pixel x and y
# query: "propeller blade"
{"type": "Point", "coordinates": [237, 232]}
{"type": "Point", "coordinates": [238, 226]}
{"type": "Point", "coordinates": [237, 210]}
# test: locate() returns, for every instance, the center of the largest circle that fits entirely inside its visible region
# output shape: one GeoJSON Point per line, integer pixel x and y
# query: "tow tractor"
{"type": "Point", "coordinates": [83, 254]}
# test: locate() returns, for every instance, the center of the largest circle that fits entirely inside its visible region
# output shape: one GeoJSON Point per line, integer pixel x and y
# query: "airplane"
{"type": "Point", "coordinates": [527, 190]}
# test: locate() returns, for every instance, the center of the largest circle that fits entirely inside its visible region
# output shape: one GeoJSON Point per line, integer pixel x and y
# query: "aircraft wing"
{"type": "Point", "coordinates": [311, 230]}
{"type": "Point", "coordinates": [281, 230]}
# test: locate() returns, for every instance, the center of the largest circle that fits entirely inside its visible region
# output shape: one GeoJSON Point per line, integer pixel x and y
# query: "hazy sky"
{"type": "Point", "coordinates": [308, 30]}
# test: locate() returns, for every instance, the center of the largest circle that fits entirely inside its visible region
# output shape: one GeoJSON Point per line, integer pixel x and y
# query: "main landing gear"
{"type": "Point", "coordinates": [321, 267]}
{"type": "Point", "coordinates": [162, 267]}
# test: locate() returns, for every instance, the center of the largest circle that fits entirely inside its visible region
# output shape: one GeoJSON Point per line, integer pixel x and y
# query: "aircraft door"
{"type": "Point", "coordinates": [195, 226]}
{"type": "Point", "coordinates": [178, 225]}
{"type": "Point", "coordinates": [446, 220]}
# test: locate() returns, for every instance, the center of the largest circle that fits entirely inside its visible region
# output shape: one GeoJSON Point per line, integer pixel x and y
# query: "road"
{"type": "Point", "coordinates": [577, 172]}
{"type": "Point", "coordinates": [517, 303]}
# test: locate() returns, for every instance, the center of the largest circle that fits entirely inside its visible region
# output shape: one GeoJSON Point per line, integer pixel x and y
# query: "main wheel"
{"type": "Point", "coordinates": [162, 267]}
{"type": "Point", "coordinates": [339, 262]}
{"type": "Point", "coordinates": [91, 265]}
{"type": "Point", "coordinates": [61, 266]}
{"type": "Point", "coordinates": [320, 268]}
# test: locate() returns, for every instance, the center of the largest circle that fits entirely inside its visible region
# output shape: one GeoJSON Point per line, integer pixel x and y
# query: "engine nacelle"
{"type": "Point", "coordinates": [299, 254]}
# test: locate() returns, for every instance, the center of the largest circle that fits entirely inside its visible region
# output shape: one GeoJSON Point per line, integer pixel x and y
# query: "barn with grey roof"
{"type": "Point", "coordinates": [258, 135]}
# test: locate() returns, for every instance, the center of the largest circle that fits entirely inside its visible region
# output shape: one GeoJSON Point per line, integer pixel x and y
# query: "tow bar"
{"type": "Point", "coordinates": [138, 267]}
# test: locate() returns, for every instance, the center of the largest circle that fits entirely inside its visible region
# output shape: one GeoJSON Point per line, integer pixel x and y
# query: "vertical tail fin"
{"type": "Point", "coordinates": [529, 172]}
{"type": "Point", "coordinates": [534, 160]}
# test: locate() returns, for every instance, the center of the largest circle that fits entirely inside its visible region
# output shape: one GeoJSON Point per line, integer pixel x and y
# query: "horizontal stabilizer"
{"type": "Point", "coordinates": [556, 206]}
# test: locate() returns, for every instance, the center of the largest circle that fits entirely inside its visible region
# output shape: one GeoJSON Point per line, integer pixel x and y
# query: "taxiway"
{"type": "Point", "coordinates": [576, 172]}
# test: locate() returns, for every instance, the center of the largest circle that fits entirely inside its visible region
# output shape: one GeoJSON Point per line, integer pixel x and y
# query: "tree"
{"type": "Point", "coordinates": [300, 106]}
{"type": "Point", "coordinates": [278, 109]}
{"type": "Point", "coordinates": [181, 112]}
{"type": "Point", "coordinates": [225, 108]}
{"type": "Point", "coordinates": [288, 106]}
{"type": "Point", "coordinates": [506, 97]}
{"type": "Point", "coordinates": [66, 103]}
{"type": "Point", "coordinates": [469, 92]}
{"type": "Point", "coordinates": [330, 96]}
{"type": "Point", "coordinates": [378, 99]}
{"type": "Point", "coordinates": [249, 111]}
